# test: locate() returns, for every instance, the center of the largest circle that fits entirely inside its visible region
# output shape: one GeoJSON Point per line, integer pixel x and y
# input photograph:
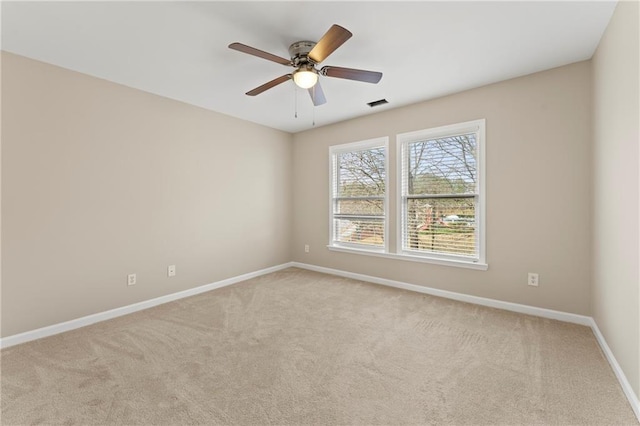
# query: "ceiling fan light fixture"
{"type": "Point", "coordinates": [305, 55]}
{"type": "Point", "coordinates": [305, 77]}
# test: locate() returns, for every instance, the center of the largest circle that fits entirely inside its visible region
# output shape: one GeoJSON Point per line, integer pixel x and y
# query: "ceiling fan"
{"type": "Point", "coordinates": [305, 55]}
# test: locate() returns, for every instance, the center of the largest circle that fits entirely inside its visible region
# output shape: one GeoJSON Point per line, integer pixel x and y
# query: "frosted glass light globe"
{"type": "Point", "coordinates": [305, 78]}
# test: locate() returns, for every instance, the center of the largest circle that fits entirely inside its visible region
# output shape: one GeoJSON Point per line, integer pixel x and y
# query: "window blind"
{"type": "Point", "coordinates": [440, 195]}
{"type": "Point", "coordinates": [358, 196]}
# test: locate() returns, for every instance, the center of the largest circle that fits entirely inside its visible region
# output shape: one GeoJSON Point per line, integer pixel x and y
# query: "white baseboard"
{"type": "Point", "coordinates": [626, 386]}
{"type": "Point", "coordinates": [476, 300]}
{"type": "Point", "coordinates": [117, 312]}
{"type": "Point", "coordinates": [492, 303]}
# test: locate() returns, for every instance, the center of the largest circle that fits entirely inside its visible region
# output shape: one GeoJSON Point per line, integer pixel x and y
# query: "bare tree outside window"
{"type": "Point", "coordinates": [359, 196]}
{"type": "Point", "coordinates": [440, 199]}
{"type": "Point", "coordinates": [441, 191]}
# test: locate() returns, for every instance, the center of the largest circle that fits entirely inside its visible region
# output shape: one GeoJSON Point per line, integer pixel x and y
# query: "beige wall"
{"type": "Point", "coordinates": [538, 189]}
{"type": "Point", "coordinates": [100, 180]}
{"type": "Point", "coordinates": [616, 125]}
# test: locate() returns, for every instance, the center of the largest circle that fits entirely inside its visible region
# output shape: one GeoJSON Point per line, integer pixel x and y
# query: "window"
{"type": "Point", "coordinates": [441, 206]}
{"type": "Point", "coordinates": [440, 198]}
{"type": "Point", "coordinates": [358, 195]}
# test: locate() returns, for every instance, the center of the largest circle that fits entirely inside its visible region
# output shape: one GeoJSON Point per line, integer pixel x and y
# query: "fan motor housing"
{"type": "Point", "coordinates": [299, 52]}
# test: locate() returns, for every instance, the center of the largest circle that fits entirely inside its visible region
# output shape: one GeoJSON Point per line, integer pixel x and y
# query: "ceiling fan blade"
{"type": "Point", "coordinates": [329, 42]}
{"type": "Point", "coordinates": [352, 74]}
{"type": "Point", "coordinates": [269, 85]}
{"type": "Point", "coordinates": [317, 95]}
{"type": "Point", "coordinates": [259, 53]}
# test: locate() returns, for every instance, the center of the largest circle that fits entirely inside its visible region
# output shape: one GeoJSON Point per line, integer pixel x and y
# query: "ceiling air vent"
{"type": "Point", "coordinates": [377, 103]}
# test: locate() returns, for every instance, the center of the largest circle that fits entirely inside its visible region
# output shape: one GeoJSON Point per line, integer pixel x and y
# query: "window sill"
{"type": "Point", "coordinates": [444, 262]}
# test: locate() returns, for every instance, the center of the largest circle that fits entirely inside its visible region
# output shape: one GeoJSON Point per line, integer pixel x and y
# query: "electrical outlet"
{"type": "Point", "coordinates": [171, 270]}
{"type": "Point", "coordinates": [532, 279]}
{"type": "Point", "coordinates": [306, 248]}
{"type": "Point", "coordinates": [131, 279]}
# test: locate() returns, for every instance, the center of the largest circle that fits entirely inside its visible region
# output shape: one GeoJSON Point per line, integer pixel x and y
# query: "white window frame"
{"type": "Point", "coordinates": [402, 141]}
{"type": "Point", "coordinates": [382, 142]}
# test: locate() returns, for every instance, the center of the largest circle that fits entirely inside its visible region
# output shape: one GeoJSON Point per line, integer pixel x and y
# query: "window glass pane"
{"type": "Point", "coordinates": [442, 166]}
{"type": "Point", "coordinates": [441, 225]}
{"type": "Point", "coordinates": [360, 173]}
{"type": "Point", "coordinates": [361, 231]}
{"type": "Point", "coordinates": [361, 207]}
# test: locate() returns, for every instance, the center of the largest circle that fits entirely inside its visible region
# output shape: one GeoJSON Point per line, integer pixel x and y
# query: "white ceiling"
{"type": "Point", "coordinates": [424, 49]}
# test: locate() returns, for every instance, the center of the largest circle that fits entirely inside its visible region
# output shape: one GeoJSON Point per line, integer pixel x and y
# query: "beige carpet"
{"type": "Point", "coordinates": [298, 347]}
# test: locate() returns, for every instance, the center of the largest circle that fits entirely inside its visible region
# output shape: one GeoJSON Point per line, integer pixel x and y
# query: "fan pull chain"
{"type": "Point", "coordinates": [295, 97]}
{"type": "Point", "coordinates": [314, 116]}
